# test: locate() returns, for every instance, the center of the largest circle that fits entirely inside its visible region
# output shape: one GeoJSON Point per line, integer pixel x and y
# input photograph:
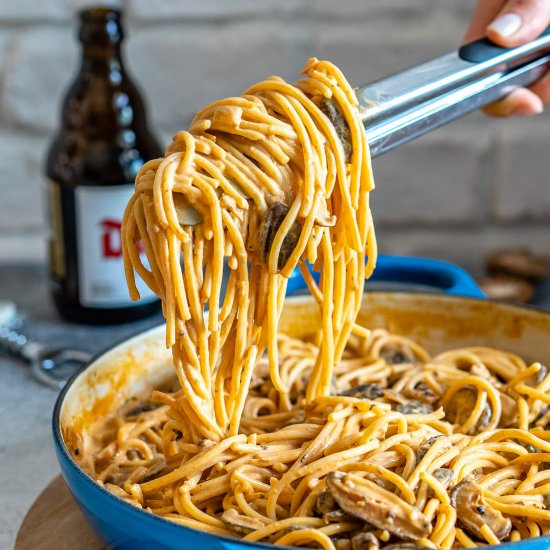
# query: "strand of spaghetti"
{"type": "Point", "coordinates": [138, 212]}
{"type": "Point", "coordinates": [304, 535]}
{"type": "Point", "coordinates": [236, 411]}
{"type": "Point", "coordinates": [190, 522]}
{"type": "Point", "coordinates": [292, 112]}
{"type": "Point", "coordinates": [281, 525]}
{"type": "Point", "coordinates": [197, 464]}
{"type": "Point", "coordinates": [304, 239]}
{"type": "Point", "coordinates": [174, 255]}
{"type": "Point", "coordinates": [131, 254]}
{"type": "Point", "coordinates": [190, 508]}
{"type": "Point", "coordinates": [327, 359]}
{"type": "Point", "coordinates": [492, 394]}
{"type": "Point", "coordinates": [533, 393]}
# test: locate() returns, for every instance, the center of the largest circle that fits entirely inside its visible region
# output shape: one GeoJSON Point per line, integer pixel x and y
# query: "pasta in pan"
{"type": "Point", "coordinates": [348, 439]}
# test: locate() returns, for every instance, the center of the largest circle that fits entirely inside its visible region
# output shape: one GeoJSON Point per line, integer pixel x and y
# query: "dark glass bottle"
{"type": "Point", "coordinates": [91, 166]}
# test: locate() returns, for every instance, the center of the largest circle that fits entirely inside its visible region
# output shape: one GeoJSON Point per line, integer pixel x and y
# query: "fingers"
{"type": "Point", "coordinates": [511, 23]}
{"type": "Point", "coordinates": [484, 14]}
{"type": "Point", "coordinates": [519, 21]}
{"type": "Point", "coordinates": [542, 88]}
{"type": "Point", "coordinates": [520, 102]}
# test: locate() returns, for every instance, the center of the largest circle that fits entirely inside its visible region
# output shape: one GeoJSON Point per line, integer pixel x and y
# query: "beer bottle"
{"type": "Point", "coordinates": [91, 166]}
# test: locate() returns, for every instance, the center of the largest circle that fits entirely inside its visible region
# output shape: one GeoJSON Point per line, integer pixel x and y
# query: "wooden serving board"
{"type": "Point", "coordinates": [54, 522]}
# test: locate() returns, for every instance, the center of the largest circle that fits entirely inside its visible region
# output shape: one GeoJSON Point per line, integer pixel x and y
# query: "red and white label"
{"type": "Point", "coordinates": [101, 279]}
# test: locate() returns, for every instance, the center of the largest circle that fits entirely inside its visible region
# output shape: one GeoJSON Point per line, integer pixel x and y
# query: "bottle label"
{"type": "Point", "coordinates": [101, 278]}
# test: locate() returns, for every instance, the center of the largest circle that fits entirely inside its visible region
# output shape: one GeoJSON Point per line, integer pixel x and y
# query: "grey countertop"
{"type": "Point", "coordinates": [27, 460]}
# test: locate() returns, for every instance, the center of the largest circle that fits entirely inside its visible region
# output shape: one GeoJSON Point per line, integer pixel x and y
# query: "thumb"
{"type": "Point", "coordinates": [519, 21]}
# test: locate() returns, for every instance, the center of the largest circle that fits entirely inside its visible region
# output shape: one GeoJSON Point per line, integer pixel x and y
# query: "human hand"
{"type": "Point", "coordinates": [511, 23]}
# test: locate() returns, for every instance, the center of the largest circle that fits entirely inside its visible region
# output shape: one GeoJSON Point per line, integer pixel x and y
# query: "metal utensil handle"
{"type": "Point", "coordinates": [50, 366]}
{"type": "Point", "coordinates": [19, 345]}
{"type": "Point", "coordinates": [404, 106]}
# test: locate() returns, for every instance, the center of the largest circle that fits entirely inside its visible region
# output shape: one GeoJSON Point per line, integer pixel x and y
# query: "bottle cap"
{"type": "Point", "coordinates": [100, 26]}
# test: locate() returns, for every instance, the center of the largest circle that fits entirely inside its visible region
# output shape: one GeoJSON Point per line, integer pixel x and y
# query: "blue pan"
{"type": "Point", "coordinates": [456, 315]}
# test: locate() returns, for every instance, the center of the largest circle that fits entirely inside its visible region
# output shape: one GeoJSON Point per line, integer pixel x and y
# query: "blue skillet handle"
{"type": "Point", "coordinates": [447, 277]}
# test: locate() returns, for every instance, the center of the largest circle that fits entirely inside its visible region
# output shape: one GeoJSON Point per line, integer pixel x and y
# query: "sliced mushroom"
{"type": "Point", "coordinates": [473, 512]}
{"type": "Point", "coordinates": [325, 503]}
{"type": "Point", "coordinates": [140, 474]}
{"type": "Point", "coordinates": [276, 213]}
{"type": "Point", "coordinates": [367, 501]}
{"type": "Point", "coordinates": [187, 215]}
{"type": "Point", "coordinates": [364, 391]}
{"type": "Point", "coordinates": [393, 356]}
{"type": "Point", "coordinates": [405, 405]}
{"type": "Point", "coordinates": [342, 543]}
{"type": "Point", "coordinates": [424, 447]}
{"type": "Point", "coordinates": [239, 523]}
{"type": "Point", "coordinates": [334, 114]}
{"type": "Point", "coordinates": [157, 465]}
{"type": "Point", "coordinates": [364, 541]}
{"type": "Point", "coordinates": [118, 478]}
{"type": "Point", "coordinates": [538, 378]}
{"type": "Point", "coordinates": [530, 448]}
{"type": "Point", "coordinates": [509, 413]}
{"type": "Point", "coordinates": [540, 417]}
{"type": "Point", "coordinates": [461, 406]}
{"type": "Point", "coordinates": [444, 476]}
{"type": "Point", "coordinates": [421, 392]}
{"type": "Point", "coordinates": [337, 516]}
{"type": "Point", "coordinates": [414, 407]}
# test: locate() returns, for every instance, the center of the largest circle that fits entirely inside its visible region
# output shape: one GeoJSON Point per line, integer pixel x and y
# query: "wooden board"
{"type": "Point", "coordinates": [55, 522]}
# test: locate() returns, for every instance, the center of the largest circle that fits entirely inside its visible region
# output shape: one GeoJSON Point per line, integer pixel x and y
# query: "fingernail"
{"type": "Point", "coordinates": [526, 111]}
{"type": "Point", "coordinates": [506, 25]}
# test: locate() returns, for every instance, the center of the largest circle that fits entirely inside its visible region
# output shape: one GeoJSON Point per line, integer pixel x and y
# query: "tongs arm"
{"type": "Point", "coordinates": [402, 107]}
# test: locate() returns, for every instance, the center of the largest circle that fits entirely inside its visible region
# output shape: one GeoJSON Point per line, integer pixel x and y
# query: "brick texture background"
{"type": "Point", "coordinates": [470, 187]}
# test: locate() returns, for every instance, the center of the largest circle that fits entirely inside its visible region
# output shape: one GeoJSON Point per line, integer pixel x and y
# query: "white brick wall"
{"type": "Point", "coordinates": [38, 68]}
{"type": "Point", "coordinates": [523, 184]}
{"type": "Point", "coordinates": [469, 187]}
{"type": "Point", "coordinates": [435, 180]}
{"type": "Point", "coordinates": [32, 11]}
{"type": "Point", "coordinates": [198, 70]}
{"type": "Point", "coordinates": [158, 10]}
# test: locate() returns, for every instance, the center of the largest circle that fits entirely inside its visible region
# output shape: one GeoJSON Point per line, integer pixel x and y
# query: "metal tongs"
{"type": "Point", "coordinates": [408, 104]}
{"type": "Point", "coordinates": [402, 107]}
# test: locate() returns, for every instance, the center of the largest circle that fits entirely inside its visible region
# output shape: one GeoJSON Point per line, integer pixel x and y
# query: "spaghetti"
{"type": "Point", "coordinates": [426, 443]}
{"type": "Point", "coordinates": [350, 439]}
{"type": "Point", "coordinates": [267, 174]}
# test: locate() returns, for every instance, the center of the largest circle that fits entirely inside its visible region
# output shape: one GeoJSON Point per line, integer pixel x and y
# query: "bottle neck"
{"type": "Point", "coordinates": [103, 60]}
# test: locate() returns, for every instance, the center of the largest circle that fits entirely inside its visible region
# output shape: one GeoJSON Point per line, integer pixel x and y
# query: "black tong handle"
{"type": "Point", "coordinates": [484, 50]}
